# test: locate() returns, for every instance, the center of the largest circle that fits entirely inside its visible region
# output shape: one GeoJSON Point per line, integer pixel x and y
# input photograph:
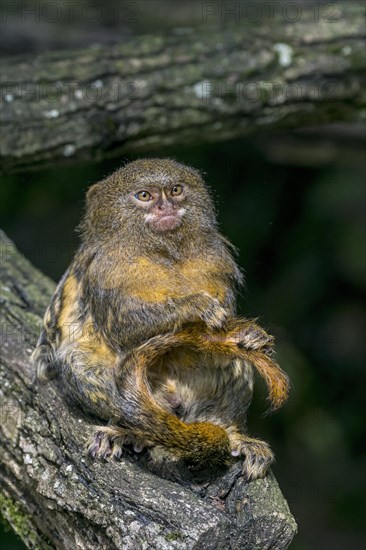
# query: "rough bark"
{"type": "Point", "coordinates": [56, 497]}
{"type": "Point", "coordinates": [200, 85]}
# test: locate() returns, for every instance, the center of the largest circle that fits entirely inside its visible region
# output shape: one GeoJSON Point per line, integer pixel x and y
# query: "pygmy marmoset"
{"type": "Point", "coordinates": [142, 326]}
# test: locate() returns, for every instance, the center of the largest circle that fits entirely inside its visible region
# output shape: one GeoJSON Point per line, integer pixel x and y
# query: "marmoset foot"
{"type": "Point", "coordinates": [108, 441]}
{"type": "Point", "coordinates": [257, 455]}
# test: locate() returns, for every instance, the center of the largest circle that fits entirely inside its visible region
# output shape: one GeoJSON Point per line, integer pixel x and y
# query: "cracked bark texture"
{"type": "Point", "coordinates": [56, 497]}
{"type": "Point", "coordinates": [193, 86]}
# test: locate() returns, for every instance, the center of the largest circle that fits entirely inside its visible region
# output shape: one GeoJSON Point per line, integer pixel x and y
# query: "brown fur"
{"type": "Point", "coordinates": [142, 327]}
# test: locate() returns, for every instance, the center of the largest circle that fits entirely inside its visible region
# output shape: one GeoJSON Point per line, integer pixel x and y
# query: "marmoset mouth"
{"type": "Point", "coordinates": [165, 222]}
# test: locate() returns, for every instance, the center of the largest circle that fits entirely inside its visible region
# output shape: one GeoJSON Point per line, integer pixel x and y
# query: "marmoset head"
{"type": "Point", "coordinates": [159, 196]}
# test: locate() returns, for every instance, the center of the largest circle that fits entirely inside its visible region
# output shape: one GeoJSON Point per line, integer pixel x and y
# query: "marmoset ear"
{"type": "Point", "coordinates": [92, 193]}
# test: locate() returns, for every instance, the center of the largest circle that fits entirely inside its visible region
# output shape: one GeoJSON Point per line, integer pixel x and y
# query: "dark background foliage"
{"type": "Point", "coordinates": [294, 206]}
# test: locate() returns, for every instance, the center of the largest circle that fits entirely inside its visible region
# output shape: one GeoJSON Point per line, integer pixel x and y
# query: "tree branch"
{"type": "Point", "coordinates": [56, 497]}
{"type": "Point", "coordinates": [203, 85]}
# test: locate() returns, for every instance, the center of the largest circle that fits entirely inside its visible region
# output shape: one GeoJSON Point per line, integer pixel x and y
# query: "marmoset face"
{"type": "Point", "coordinates": [163, 207]}
{"type": "Point", "coordinates": [154, 195]}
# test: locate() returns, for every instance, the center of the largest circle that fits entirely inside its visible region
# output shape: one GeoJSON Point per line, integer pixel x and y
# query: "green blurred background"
{"type": "Point", "coordinates": [294, 205]}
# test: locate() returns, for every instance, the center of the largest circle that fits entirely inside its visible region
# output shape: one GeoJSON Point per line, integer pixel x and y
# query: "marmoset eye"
{"type": "Point", "coordinates": [176, 190]}
{"type": "Point", "coordinates": [143, 196]}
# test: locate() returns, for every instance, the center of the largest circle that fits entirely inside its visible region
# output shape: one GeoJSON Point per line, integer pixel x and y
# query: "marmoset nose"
{"type": "Point", "coordinates": [164, 204]}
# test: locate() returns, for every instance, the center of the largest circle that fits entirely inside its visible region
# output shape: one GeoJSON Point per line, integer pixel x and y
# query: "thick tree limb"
{"type": "Point", "coordinates": [203, 85]}
{"type": "Point", "coordinates": [56, 497]}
